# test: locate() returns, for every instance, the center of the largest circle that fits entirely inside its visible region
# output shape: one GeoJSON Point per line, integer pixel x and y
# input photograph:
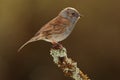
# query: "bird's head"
{"type": "Point", "coordinates": [70, 13]}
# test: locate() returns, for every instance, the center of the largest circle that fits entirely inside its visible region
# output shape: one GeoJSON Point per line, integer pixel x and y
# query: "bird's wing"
{"type": "Point", "coordinates": [55, 26]}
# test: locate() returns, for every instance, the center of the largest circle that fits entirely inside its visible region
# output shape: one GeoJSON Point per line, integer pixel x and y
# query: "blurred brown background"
{"type": "Point", "coordinates": [94, 43]}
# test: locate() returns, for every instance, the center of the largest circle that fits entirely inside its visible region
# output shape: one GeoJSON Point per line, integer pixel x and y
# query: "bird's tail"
{"type": "Point", "coordinates": [31, 40]}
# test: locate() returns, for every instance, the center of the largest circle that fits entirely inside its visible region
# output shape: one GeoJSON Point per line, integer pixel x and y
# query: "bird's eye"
{"type": "Point", "coordinates": [73, 14]}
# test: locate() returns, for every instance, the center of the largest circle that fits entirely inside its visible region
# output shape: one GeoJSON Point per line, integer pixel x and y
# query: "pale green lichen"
{"type": "Point", "coordinates": [68, 66]}
{"type": "Point", "coordinates": [58, 53]}
{"type": "Point", "coordinates": [76, 75]}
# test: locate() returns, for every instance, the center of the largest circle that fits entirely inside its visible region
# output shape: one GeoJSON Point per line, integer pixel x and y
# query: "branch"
{"type": "Point", "coordinates": [68, 66]}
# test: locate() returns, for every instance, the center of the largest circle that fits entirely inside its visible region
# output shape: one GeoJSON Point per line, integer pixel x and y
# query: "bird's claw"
{"type": "Point", "coordinates": [57, 46]}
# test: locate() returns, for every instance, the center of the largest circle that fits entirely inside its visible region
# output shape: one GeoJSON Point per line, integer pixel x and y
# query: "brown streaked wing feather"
{"type": "Point", "coordinates": [55, 26]}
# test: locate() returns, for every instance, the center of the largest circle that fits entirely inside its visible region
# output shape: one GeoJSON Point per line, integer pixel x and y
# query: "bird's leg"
{"type": "Point", "coordinates": [56, 45]}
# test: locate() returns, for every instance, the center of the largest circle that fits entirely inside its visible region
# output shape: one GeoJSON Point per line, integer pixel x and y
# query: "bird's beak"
{"type": "Point", "coordinates": [81, 15]}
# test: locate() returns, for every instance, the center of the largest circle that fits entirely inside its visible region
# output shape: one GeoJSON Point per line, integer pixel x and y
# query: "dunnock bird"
{"type": "Point", "coordinates": [58, 28]}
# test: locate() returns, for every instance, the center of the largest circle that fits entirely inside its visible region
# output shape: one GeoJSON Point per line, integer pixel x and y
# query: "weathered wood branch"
{"type": "Point", "coordinates": [68, 66]}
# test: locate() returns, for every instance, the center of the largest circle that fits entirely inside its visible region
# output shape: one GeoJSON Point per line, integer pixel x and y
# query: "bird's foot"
{"type": "Point", "coordinates": [57, 46]}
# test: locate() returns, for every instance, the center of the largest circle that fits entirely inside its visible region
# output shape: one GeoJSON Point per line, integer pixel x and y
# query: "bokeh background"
{"type": "Point", "coordinates": [94, 43]}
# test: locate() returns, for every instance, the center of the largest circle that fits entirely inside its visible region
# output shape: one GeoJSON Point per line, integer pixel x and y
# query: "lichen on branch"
{"type": "Point", "coordinates": [68, 66]}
